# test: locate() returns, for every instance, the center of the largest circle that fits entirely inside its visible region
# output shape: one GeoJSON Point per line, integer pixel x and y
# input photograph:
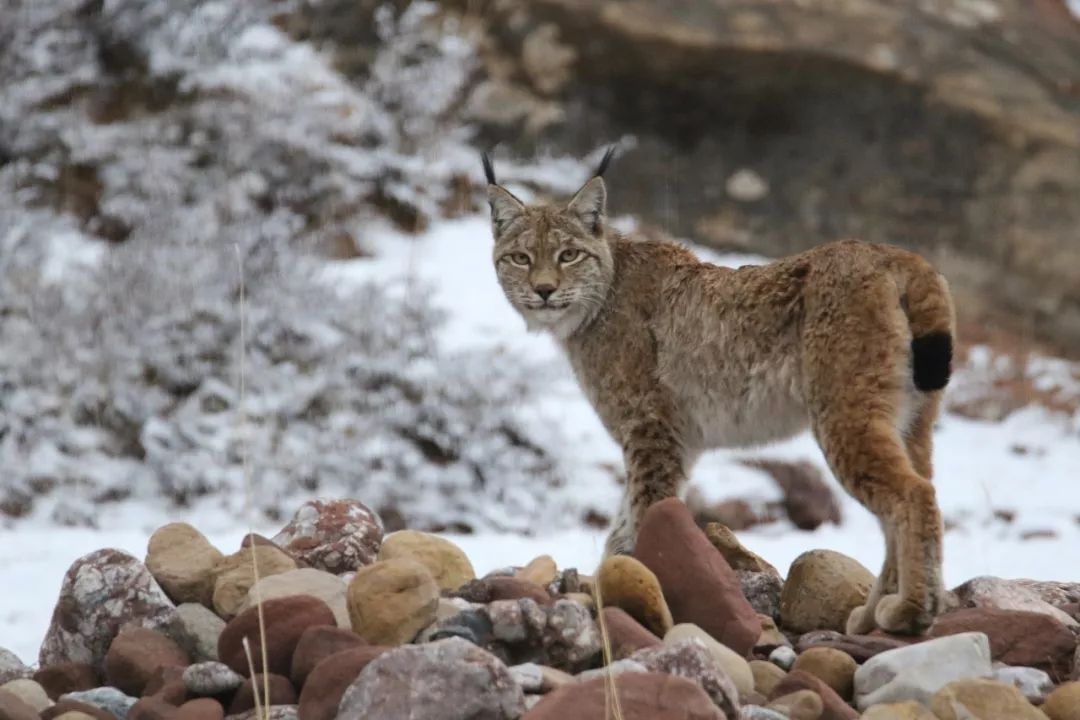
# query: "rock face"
{"type": "Point", "coordinates": [1000, 142]}
{"type": "Point", "coordinates": [449, 679]}
{"type": "Point", "coordinates": [446, 562]}
{"type": "Point", "coordinates": [644, 696]}
{"type": "Point", "coordinates": [625, 583]}
{"type": "Point", "coordinates": [983, 699]}
{"type": "Point", "coordinates": [182, 560]}
{"type": "Point", "coordinates": [391, 601]}
{"type": "Point", "coordinates": [1016, 637]}
{"type": "Point", "coordinates": [821, 590]}
{"type": "Point", "coordinates": [100, 593]}
{"type": "Point", "coordinates": [698, 584]}
{"type": "Point", "coordinates": [918, 671]}
{"type": "Point", "coordinates": [333, 535]}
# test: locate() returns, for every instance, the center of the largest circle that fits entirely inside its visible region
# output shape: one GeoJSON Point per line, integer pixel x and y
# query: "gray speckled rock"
{"type": "Point", "coordinates": [274, 712]}
{"type": "Point", "coordinates": [1033, 683]}
{"type": "Point", "coordinates": [783, 657]}
{"type": "Point", "coordinates": [756, 712]}
{"type": "Point", "coordinates": [206, 679]}
{"type": "Point", "coordinates": [11, 667]}
{"type": "Point", "coordinates": [449, 679]}
{"type": "Point", "coordinates": [108, 699]}
{"type": "Point", "coordinates": [691, 660]}
{"type": "Point", "coordinates": [102, 592]}
{"type": "Point", "coordinates": [196, 629]}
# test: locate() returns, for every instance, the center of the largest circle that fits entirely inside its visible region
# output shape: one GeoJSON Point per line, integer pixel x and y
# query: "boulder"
{"type": "Point", "coordinates": [698, 584]}
{"type": "Point", "coordinates": [101, 592]}
{"type": "Point", "coordinates": [182, 560]}
{"type": "Point", "coordinates": [1016, 637]}
{"type": "Point", "coordinates": [302, 581]}
{"type": "Point", "coordinates": [733, 664]}
{"type": "Point", "coordinates": [918, 671]}
{"type": "Point", "coordinates": [645, 696]}
{"type": "Point", "coordinates": [285, 620]}
{"type": "Point", "coordinates": [322, 691]}
{"type": "Point", "coordinates": [392, 600]}
{"type": "Point", "coordinates": [333, 535]}
{"type": "Point", "coordinates": [833, 667]}
{"type": "Point", "coordinates": [821, 590]}
{"type": "Point", "coordinates": [983, 699]}
{"type": "Point", "coordinates": [626, 583]}
{"type": "Point", "coordinates": [449, 679]}
{"type": "Point", "coordinates": [448, 564]}
{"type": "Point", "coordinates": [235, 574]}
{"type": "Point", "coordinates": [136, 654]}
{"type": "Point", "coordinates": [626, 634]}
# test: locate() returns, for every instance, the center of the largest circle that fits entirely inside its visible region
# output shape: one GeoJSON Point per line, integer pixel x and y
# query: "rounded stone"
{"type": "Point", "coordinates": [821, 590]}
{"type": "Point", "coordinates": [983, 699]}
{"type": "Point", "coordinates": [1064, 702]}
{"type": "Point", "coordinates": [302, 581]}
{"type": "Point", "coordinates": [834, 667]}
{"type": "Point", "coordinates": [337, 536]}
{"type": "Point", "coordinates": [733, 664]}
{"type": "Point", "coordinates": [234, 575]}
{"type": "Point", "coordinates": [285, 620]}
{"type": "Point", "coordinates": [182, 560]}
{"type": "Point", "coordinates": [448, 564]}
{"type": "Point", "coordinates": [766, 676]}
{"type": "Point", "coordinates": [136, 654]}
{"type": "Point", "coordinates": [799, 705]}
{"type": "Point", "coordinates": [281, 692]}
{"type": "Point", "coordinates": [327, 682]}
{"type": "Point", "coordinates": [541, 570]}
{"type": "Point", "coordinates": [391, 601]}
{"type": "Point", "coordinates": [642, 696]}
{"type": "Point", "coordinates": [625, 582]}
{"type": "Point", "coordinates": [29, 691]}
{"type": "Point", "coordinates": [625, 634]}
{"type": "Point", "coordinates": [316, 644]}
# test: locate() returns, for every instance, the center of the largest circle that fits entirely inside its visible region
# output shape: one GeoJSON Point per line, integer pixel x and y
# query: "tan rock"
{"type": "Point", "coordinates": [821, 590]}
{"type": "Point", "coordinates": [391, 601]}
{"type": "Point", "coordinates": [771, 637]}
{"type": "Point", "coordinates": [835, 667]}
{"type": "Point", "coordinates": [74, 715]}
{"type": "Point", "coordinates": [766, 676]}
{"type": "Point", "coordinates": [799, 705]}
{"type": "Point", "coordinates": [909, 710]}
{"type": "Point", "coordinates": [302, 581]}
{"type": "Point", "coordinates": [734, 664]}
{"type": "Point", "coordinates": [182, 560]}
{"type": "Point", "coordinates": [541, 570]}
{"type": "Point", "coordinates": [982, 699]}
{"type": "Point", "coordinates": [626, 583]}
{"type": "Point", "coordinates": [737, 555]}
{"type": "Point", "coordinates": [1063, 703]}
{"type": "Point", "coordinates": [582, 599]}
{"type": "Point", "coordinates": [29, 692]}
{"type": "Point", "coordinates": [445, 561]}
{"type": "Point", "coordinates": [235, 574]}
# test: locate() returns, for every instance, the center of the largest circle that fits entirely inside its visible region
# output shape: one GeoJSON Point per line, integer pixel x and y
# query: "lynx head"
{"type": "Point", "coordinates": [553, 261]}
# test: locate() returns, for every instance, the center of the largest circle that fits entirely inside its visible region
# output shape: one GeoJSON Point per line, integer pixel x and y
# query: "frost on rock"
{"type": "Point", "coordinates": [159, 160]}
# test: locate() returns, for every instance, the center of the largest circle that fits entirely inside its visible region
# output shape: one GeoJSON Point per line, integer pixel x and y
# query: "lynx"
{"type": "Point", "coordinates": [678, 356]}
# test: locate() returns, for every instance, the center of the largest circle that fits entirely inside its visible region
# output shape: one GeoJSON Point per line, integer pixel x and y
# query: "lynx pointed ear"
{"type": "Point", "coordinates": [590, 205]}
{"type": "Point", "coordinates": [505, 208]}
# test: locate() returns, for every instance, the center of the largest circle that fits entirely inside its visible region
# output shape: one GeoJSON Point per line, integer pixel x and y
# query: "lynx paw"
{"type": "Point", "coordinates": [903, 616]}
{"type": "Point", "coordinates": [860, 621]}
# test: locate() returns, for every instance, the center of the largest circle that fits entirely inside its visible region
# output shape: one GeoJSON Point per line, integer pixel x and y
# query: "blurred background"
{"type": "Point", "coordinates": [257, 230]}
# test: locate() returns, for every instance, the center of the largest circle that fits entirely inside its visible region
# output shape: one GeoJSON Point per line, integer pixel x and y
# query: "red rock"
{"type": "Point", "coordinates": [12, 707]}
{"type": "Point", "coordinates": [1016, 637]}
{"type": "Point", "coordinates": [860, 647]}
{"type": "Point", "coordinates": [835, 707]}
{"type": "Point", "coordinates": [286, 619]}
{"type": "Point", "coordinates": [63, 706]}
{"type": "Point", "coordinates": [101, 593]}
{"type": "Point", "coordinates": [699, 585]}
{"type": "Point", "coordinates": [136, 654]}
{"type": "Point", "coordinates": [642, 696]}
{"type": "Point", "coordinates": [626, 634]}
{"type": "Point", "coordinates": [151, 708]}
{"type": "Point", "coordinates": [808, 500]}
{"type": "Point", "coordinates": [199, 709]}
{"type": "Point", "coordinates": [499, 587]}
{"type": "Point", "coordinates": [167, 683]}
{"type": "Point", "coordinates": [282, 692]}
{"type": "Point", "coordinates": [325, 685]}
{"type": "Point", "coordinates": [333, 535]}
{"type": "Point", "coordinates": [65, 677]}
{"type": "Point", "coordinates": [315, 645]}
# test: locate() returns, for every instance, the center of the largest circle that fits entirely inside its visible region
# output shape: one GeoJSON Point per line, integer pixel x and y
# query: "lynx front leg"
{"type": "Point", "coordinates": [654, 471]}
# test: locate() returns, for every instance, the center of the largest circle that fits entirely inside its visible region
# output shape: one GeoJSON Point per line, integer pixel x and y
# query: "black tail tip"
{"type": "Point", "coordinates": [931, 361]}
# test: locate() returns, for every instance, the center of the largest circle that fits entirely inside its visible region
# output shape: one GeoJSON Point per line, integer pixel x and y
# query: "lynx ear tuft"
{"type": "Point", "coordinates": [489, 169]}
{"type": "Point", "coordinates": [605, 161]}
{"type": "Point", "coordinates": [590, 205]}
{"type": "Point", "coordinates": [505, 208]}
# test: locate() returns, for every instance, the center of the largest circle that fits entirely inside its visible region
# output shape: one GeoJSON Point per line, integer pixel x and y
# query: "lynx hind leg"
{"type": "Point", "coordinates": [871, 462]}
{"type": "Point", "coordinates": [623, 535]}
{"type": "Point", "coordinates": [919, 435]}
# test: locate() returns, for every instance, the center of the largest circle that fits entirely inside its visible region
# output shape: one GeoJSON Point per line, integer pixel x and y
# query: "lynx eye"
{"type": "Point", "coordinates": [569, 255]}
{"type": "Point", "coordinates": [519, 258]}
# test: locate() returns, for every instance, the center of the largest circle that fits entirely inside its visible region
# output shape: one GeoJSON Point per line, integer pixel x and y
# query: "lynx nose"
{"type": "Point", "coordinates": [544, 291]}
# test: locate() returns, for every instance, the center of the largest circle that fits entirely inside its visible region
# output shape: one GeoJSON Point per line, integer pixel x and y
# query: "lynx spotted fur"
{"type": "Point", "coordinates": [850, 339]}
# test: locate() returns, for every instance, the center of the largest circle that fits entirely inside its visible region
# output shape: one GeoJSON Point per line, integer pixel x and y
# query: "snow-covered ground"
{"type": "Point", "coordinates": [1026, 465]}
